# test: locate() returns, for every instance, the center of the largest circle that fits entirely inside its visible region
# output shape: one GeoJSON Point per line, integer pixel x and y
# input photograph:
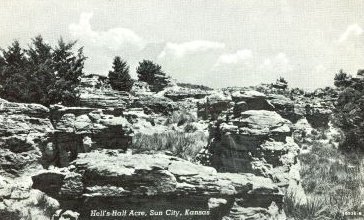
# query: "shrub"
{"type": "Point", "coordinates": [313, 209]}
{"type": "Point", "coordinates": [180, 144]}
{"type": "Point", "coordinates": [152, 74]}
{"type": "Point", "coordinates": [332, 177]}
{"type": "Point", "coordinates": [342, 79]}
{"type": "Point", "coordinates": [180, 118]}
{"type": "Point", "coordinates": [282, 80]}
{"type": "Point", "coordinates": [119, 76]}
{"type": "Point", "coordinates": [41, 74]}
{"type": "Point", "coordinates": [349, 113]}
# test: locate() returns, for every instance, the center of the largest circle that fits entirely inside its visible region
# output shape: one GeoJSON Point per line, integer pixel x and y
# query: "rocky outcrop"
{"type": "Point", "coordinates": [178, 93]}
{"type": "Point", "coordinates": [285, 107]}
{"type": "Point", "coordinates": [155, 105]}
{"type": "Point", "coordinates": [153, 182]}
{"type": "Point", "coordinates": [24, 131]}
{"type": "Point", "coordinates": [97, 93]}
{"type": "Point", "coordinates": [80, 129]}
{"type": "Point", "coordinates": [256, 142]}
{"type": "Point", "coordinates": [213, 106]}
{"type": "Point", "coordinates": [250, 100]}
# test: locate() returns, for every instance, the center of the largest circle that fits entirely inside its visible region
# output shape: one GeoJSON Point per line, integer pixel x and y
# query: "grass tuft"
{"type": "Point", "coordinates": [180, 144]}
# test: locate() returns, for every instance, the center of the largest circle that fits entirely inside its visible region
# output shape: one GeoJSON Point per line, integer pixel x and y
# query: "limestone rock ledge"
{"type": "Point", "coordinates": [24, 130]}
{"type": "Point", "coordinates": [158, 181]}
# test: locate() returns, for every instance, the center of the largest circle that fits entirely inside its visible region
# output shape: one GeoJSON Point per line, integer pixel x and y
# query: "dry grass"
{"type": "Point", "coordinates": [181, 118]}
{"type": "Point", "coordinates": [333, 180]}
{"type": "Point", "coordinates": [314, 209]}
{"type": "Point", "coordinates": [180, 144]}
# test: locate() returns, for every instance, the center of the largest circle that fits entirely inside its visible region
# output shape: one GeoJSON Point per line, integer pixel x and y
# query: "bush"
{"type": "Point", "coordinates": [282, 80]}
{"type": "Point", "coordinates": [180, 144]}
{"type": "Point", "coordinates": [41, 74]}
{"type": "Point", "coordinates": [119, 76]}
{"type": "Point", "coordinates": [349, 112]}
{"type": "Point", "coordinates": [314, 209]}
{"type": "Point", "coordinates": [331, 177]}
{"type": "Point", "coordinates": [180, 118]}
{"type": "Point", "coordinates": [342, 79]}
{"type": "Point", "coordinates": [152, 74]}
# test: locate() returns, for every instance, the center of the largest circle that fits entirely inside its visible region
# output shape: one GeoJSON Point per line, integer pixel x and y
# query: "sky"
{"type": "Point", "coordinates": [210, 42]}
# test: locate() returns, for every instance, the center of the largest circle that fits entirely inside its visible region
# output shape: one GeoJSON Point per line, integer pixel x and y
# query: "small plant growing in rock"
{"type": "Point", "coordinates": [282, 80]}
{"type": "Point", "coordinates": [342, 79]}
{"type": "Point", "coordinates": [119, 75]}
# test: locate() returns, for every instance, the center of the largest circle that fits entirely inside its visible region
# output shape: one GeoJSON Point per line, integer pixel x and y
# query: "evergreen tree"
{"type": "Point", "coordinates": [13, 73]}
{"type": "Point", "coordinates": [119, 76]}
{"type": "Point", "coordinates": [68, 67]}
{"type": "Point", "coordinates": [41, 74]}
{"type": "Point", "coordinates": [152, 74]}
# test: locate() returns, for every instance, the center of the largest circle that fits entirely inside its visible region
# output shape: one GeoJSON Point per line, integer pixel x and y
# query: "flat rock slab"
{"type": "Point", "coordinates": [113, 180]}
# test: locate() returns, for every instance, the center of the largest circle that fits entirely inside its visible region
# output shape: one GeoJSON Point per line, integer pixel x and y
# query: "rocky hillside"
{"type": "Point", "coordinates": [84, 162]}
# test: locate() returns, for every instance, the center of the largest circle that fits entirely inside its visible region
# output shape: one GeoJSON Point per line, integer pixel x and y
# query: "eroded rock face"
{"type": "Point", "coordinates": [145, 182]}
{"type": "Point", "coordinates": [213, 106]}
{"type": "Point", "coordinates": [79, 130]}
{"type": "Point", "coordinates": [177, 93]}
{"type": "Point", "coordinates": [24, 131]}
{"type": "Point", "coordinates": [256, 142]}
{"type": "Point", "coordinates": [253, 101]}
{"type": "Point", "coordinates": [97, 93]}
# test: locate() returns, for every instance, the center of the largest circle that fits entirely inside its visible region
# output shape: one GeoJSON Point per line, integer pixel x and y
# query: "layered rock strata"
{"type": "Point", "coordinates": [153, 182]}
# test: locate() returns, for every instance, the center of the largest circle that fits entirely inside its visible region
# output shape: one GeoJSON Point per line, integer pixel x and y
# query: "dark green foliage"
{"type": "Point", "coordinates": [119, 76]}
{"type": "Point", "coordinates": [282, 80]}
{"type": "Point", "coordinates": [349, 111]}
{"type": "Point", "coordinates": [152, 74]}
{"type": "Point", "coordinates": [41, 74]}
{"type": "Point", "coordinates": [147, 70]}
{"type": "Point", "coordinates": [342, 79]}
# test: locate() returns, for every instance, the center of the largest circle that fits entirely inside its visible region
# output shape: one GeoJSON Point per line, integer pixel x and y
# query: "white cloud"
{"type": "Point", "coordinates": [352, 30]}
{"type": "Point", "coordinates": [113, 39]}
{"type": "Point", "coordinates": [192, 47]}
{"type": "Point", "coordinates": [279, 64]}
{"type": "Point", "coordinates": [234, 58]}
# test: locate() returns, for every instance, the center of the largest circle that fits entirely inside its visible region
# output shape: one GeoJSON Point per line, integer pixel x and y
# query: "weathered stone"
{"type": "Point", "coordinates": [80, 130]}
{"type": "Point", "coordinates": [178, 93]}
{"type": "Point", "coordinates": [24, 130]}
{"type": "Point", "coordinates": [96, 93]}
{"type": "Point", "coordinates": [213, 106]}
{"type": "Point", "coordinates": [65, 215]}
{"type": "Point", "coordinates": [256, 142]}
{"type": "Point", "coordinates": [118, 178]}
{"type": "Point", "coordinates": [254, 100]}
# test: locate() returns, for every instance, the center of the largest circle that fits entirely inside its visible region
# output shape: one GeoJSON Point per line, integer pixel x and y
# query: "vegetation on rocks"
{"type": "Point", "coordinates": [41, 73]}
{"type": "Point", "coordinates": [119, 75]}
{"type": "Point", "coordinates": [180, 144]}
{"type": "Point", "coordinates": [152, 74]}
{"type": "Point", "coordinates": [349, 110]}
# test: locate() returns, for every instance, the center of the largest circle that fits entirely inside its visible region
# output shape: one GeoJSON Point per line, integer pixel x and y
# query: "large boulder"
{"type": "Point", "coordinates": [153, 182]}
{"type": "Point", "coordinates": [256, 142]}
